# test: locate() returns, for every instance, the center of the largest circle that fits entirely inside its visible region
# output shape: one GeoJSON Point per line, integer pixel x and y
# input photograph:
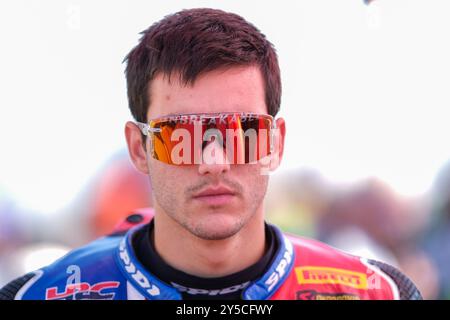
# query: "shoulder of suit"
{"type": "Point", "coordinates": [91, 266]}
{"type": "Point", "coordinates": [321, 266]}
{"type": "Point", "coordinates": [90, 269]}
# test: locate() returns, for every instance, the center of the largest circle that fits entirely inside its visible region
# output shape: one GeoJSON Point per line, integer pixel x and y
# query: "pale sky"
{"type": "Point", "coordinates": [365, 89]}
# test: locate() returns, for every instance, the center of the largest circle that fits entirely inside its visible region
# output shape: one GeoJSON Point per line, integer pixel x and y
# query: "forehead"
{"type": "Point", "coordinates": [236, 89]}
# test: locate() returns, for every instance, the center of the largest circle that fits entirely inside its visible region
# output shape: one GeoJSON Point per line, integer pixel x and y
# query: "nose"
{"type": "Point", "coordinates": [214, 160]}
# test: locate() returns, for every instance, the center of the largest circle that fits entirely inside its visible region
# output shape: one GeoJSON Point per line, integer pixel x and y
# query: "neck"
{"type": "Point", "coordinates": [209, 258]}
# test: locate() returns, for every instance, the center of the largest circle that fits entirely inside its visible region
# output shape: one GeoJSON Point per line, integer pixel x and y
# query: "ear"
{"type": "Point", "coordinates": [280, 133]}
{"type": "Point", "coordinates": [136, 150]}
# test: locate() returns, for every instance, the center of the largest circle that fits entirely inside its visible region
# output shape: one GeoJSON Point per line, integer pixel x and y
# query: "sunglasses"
{"type": "Point", "coordinates": [213, 138]}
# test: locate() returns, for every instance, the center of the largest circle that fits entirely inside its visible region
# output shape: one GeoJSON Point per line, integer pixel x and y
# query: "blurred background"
{"type": "Point", "coordinates": [365, 98]}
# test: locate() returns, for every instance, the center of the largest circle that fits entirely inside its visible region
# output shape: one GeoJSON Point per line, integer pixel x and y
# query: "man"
{"type": "Point", "coordinates": [204, 88]}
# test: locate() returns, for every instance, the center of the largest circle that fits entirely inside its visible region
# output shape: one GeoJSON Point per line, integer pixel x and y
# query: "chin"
{"type": "Point", "coordinates": [216, 227]}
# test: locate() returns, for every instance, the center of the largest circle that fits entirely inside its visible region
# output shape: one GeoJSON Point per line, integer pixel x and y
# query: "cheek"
{"type": "Point", "coordinates": [167, 181]}
{"type": "Point", "coordinates": [159, 179]}
{"type": "Point", "coordinates": [255, 183]}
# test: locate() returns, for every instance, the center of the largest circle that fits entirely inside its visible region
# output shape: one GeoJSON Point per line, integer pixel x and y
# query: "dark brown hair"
{"type": "Point", "coordinates": [195, 41]}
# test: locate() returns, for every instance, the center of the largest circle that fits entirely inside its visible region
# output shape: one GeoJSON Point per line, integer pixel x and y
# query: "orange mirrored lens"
{"type": "Point", "coordinates": [234, 138]}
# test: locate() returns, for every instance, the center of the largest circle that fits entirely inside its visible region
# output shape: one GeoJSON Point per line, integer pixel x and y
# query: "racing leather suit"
{"type": "Point", "coordinates": [302, 269]}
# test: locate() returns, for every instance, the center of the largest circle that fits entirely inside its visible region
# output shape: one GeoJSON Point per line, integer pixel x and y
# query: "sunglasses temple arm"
{"type": "Point", "coordinates": [145, 128]}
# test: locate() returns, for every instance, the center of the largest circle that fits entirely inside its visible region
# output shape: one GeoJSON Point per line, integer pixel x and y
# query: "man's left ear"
{"type": "Point", "coordinates": [278, 139]}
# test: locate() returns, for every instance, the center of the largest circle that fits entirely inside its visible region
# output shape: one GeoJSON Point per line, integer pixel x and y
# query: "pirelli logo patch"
{"type": "Point", "coordinates": [326, 275]}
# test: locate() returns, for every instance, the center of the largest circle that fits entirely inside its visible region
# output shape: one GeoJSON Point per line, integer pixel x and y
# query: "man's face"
{"type": "Point", "coordinates": [211, 201]}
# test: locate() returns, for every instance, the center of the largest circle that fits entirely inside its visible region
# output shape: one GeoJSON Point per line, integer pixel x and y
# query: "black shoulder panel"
{"type": "Point", "coordinates": [9, 291]}
{"type": "Point", "coordinates": [407, 289]}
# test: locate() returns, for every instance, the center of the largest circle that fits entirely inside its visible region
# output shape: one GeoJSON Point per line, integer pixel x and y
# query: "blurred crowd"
{"type": "Point", "coordinates": [370, 219]}
{"type": "Point", "coordinates": [366, 218]}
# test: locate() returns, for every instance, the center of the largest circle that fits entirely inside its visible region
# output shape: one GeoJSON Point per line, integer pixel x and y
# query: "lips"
{"type": "Point", "coordinates": [215, 196]}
